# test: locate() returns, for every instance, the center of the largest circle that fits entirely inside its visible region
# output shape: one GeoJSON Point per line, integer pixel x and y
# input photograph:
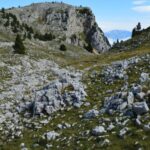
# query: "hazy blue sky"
{"type": "Point", "coordinates": [110, 14]}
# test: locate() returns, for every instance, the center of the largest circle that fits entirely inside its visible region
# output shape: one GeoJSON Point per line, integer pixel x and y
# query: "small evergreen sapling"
{"type": "Point", "coordinates": [63, 47]}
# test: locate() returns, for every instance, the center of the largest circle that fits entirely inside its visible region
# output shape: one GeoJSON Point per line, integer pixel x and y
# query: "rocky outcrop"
{"type": "Point", "coordinates": [51, 135]}
{"type": "Point", "coordinates": [131, 100]}
{"type": "Point", "coordinates": [59, 93]}
{"type": "Point", "coordinates": [75, 25]}
{"type": "Point", "coordinates": [25, 93]}
{"type": "Point", "coordinates": [126, 105]}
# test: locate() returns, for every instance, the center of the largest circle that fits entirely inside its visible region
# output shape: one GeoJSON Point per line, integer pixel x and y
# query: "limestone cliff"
{"type": "Point", "coordinates": [75, 25]}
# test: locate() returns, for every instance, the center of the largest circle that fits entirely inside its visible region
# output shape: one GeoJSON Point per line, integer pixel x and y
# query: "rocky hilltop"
{"type": "Point", "coordinates": [75, 25]}
{"type": "Point", "coordinates": [141, 38]}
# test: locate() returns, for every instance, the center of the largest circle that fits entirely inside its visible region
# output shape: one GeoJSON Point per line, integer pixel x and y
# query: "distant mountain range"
{"type": "Point", "coordinates": [118, 34]}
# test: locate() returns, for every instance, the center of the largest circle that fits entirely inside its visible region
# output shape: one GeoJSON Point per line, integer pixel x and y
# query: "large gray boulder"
{"type": "Point", "coordinates": [144, 77]}
{"type": "Point", "coordinates": [140, 108]}
{"type": "Point", "coordinates": [130, 98]}
{"type": "Point", "coordinates": [91, 114]}
{"type": "Point", "coordinates": [147, 127]}
{"type": "Point", "coordinates": [67, 90]}
{"type": "Point", "coordinates": [123, 132]}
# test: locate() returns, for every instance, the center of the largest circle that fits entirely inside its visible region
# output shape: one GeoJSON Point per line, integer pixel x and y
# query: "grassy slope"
{"type": "Point", "coordinates": [96, 92]}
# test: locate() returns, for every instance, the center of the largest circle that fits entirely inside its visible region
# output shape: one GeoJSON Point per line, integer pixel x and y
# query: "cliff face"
{"type": "Point", "coordinates": [75, 25]}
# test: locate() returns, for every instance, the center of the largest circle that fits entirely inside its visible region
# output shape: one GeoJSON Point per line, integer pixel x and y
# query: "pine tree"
{"type": "Point", "coordinates": [29, 36]}
{"type": "Point", "coordinates": [139, 26]}
{"type": "Point", "coordinates": [137, 30]}
{"type": "Point", "coordinates": [3, 10]}
{"type": "Point", "coordinates": [133, 32]}
{"type": "Point", "coordinates": [24, 36]}
{"type": "Point", "coordinates": [117, 42]}
{"type": "Point", "coordinates": [15, 29]}
{"type": "Point", "coordinates": [19, 46]}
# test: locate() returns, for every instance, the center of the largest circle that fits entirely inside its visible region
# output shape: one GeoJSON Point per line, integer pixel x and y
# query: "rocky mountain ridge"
{"type": "Point", "coordinates": [75, 25]}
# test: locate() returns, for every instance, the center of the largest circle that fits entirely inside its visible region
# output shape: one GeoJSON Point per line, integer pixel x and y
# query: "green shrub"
{"type": "Point", "coordinates": [48, 37]}
{"type": "Point", "coordinates": [6, 23]}
{"type": "Point", "coordinates": [89, 47]}
{"type": "Point", "coordinates": [63, 47]}
{"type": "Point", "coordinates": [27, 28]}
{"type": "Point", "coordinates": [85, 10]}
{"type": "Point", "coordinates": [24, 36]}
{"type": "Point", "coordinates": [45, 37]}
{"type": "Point", "coordinates": [29, 36]}
{"type": "Point", "coordinates": [15, 29]}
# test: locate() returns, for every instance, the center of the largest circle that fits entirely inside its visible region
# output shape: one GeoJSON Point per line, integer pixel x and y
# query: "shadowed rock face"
{"type": "Point", "coordinates": [76, 25]}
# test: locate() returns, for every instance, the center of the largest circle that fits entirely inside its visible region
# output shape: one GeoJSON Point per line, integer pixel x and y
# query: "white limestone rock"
{"type": "Point", "coordinates": [140, 108]}
{"type": "Point", "coordinates": [52, 135]}
{"type": "Point", "coordinates": [91, 114]}
{"type": "Point", "coordinates": [98, 130]}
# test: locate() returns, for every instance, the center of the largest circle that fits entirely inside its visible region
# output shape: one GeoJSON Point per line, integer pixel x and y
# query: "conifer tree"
{"type": "Point", "coordinates": [3, 10]}
{"type": "Point", "coordinates": [133, 32]}
{"type": "Point", "coordinates": [138, 26]}
{"type": "Point", "coordinates": [19, 46]}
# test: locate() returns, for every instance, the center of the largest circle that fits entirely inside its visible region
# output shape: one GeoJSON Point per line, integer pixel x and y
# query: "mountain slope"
{"type": "Point", "coordinates": [73, 99]}
{"type": "Point", "coordinates": [73, 129]}
{"type": "Point", "coordinates": [141, 39]}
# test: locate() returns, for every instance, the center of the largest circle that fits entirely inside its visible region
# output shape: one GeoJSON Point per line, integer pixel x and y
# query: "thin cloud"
{"type": "Point", "coordinates": [139, 2]}
{"type": "Point", "coordinates": [113, 25]}
{"type": "Point", "coordinates": [142, 8]}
